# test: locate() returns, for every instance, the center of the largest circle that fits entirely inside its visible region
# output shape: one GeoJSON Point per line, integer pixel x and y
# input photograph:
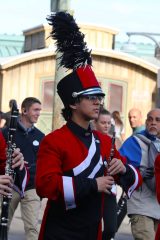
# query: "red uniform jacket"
{"type": "Point", "coordinates": [3, 146]}
{"type": "Point", "coordinates": [23, 174]}
{"type": "Point", "coordinates": [66, 172]}
{"type": "Point", "coordinates": [157, 176]}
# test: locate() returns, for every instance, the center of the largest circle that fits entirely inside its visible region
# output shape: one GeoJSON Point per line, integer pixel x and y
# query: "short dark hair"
{"type": "Point", "coordinates": [28, 102]}
{"type": "Point", "coordinates": [67, 110]}
{"type": "Point", "coordinates": [103, 111]}
{"type": "Point", "coordinates": [66, 113]}
{"type": "Point", "coordinates": [11, 102]}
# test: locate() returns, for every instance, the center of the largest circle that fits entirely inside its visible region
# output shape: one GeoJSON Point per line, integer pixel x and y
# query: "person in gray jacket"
{"type": "Point", "coordinates": [141, 150]}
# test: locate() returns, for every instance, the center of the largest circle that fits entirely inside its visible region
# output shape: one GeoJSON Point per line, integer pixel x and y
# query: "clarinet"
{"type": "Point", "coordinates": [112, 148]}
{"type": "Point", "coordinates": [121, 209]}
{"type": "Point", "coordinates": [111, 156]}
{"type": "Point", "coordinates": [8, 171]}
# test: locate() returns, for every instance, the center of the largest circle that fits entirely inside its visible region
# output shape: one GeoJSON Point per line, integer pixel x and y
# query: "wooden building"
{"type": "Point", "coordinates": [128, 81]}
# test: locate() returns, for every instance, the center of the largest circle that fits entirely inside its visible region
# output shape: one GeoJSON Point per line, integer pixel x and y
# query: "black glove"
{"type": "Point", "coordinates": [148, 173]}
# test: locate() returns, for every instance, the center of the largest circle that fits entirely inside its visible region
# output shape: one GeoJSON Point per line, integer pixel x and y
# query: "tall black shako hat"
{"type": "Point", "coordinates": [74, 55]}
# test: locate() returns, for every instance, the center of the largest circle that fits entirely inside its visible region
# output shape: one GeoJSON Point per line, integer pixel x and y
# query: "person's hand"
{"type": "Point", "coordinates": [18, 159]}
{"type": "Point", "coordinates": [116, 166]}
{"type": "Point", "coordinates": [147, 173]}
{"type": "Point", "coordinates": [6, 183]}
{"type": "Point", "coordinates": [105, 183]}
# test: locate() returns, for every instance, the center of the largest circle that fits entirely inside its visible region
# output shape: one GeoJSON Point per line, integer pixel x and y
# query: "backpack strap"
{"type": "Point", "coordinates": [146, 140]}
{"type": "Point", "coordinates": [152, 153]}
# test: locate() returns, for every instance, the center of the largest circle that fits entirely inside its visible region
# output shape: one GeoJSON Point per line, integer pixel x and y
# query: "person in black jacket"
{"type": "Point", "coordinates": [6, 117]}
{"type": "Point", "coordinates": [28, 138]}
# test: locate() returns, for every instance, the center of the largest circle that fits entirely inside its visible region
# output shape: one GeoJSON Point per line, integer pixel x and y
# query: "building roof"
{"type": "Point", "coordinates": [24, 57]}
{"type": "Point", "coordinates": [136, 48]}
{"type": "Point", "coordinates": [36, 54]}
{"type": "Point", "coordinates": [145, 51]}
{"type": "Point", "coordinates": [11, 45]}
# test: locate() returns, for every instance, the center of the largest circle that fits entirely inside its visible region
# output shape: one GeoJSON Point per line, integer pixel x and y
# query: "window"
{"type": "Point", "coordinates": [47, 95]}
{"type": "Point", "coordinates": [34, 41]}
{"type": "Point", "coordinates": [115, 100]}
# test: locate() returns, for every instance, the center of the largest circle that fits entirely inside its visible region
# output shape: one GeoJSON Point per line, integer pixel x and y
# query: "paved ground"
{"type": "Point", "coordinates": [17, 230]}
{"type": "Point", "coordinates": [124, 232]}
{"type": "Point", "coordinates": [17, 227]}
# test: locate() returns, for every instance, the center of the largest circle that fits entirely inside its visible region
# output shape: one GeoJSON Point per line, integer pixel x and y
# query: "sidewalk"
{"type": "Point", "coordinates": [124, 232]}
{"type": "Point", "coordinates": [17, 228]}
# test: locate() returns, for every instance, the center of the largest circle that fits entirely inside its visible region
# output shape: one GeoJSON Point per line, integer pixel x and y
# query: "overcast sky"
{"type": "Point", "coordinates": [123, 15]}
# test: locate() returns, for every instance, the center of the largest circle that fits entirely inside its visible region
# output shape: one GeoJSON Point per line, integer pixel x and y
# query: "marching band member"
{"type": "Point", "coordinates": [72, 160]}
